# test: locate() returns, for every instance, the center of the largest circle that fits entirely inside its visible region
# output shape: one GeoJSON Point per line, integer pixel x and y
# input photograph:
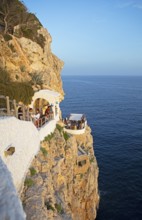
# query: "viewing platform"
{"type": "Point", "coordinates": [23, 127]}
{"type": "Point", "coordinates": [75, 124]}
{"type": "Point", "coordinates": [43, 110]}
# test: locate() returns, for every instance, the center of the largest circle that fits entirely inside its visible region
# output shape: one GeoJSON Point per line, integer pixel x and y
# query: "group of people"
{"type": "Point", "coordinates": [74, 125]}
{"type": "Point", "coordinates": [39, 117]}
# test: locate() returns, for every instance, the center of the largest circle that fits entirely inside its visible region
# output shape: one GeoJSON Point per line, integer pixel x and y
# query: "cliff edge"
{"type": "Point", "coordinates": [25, 51]}
{"type": "Point", "coordinates": [62, 182]}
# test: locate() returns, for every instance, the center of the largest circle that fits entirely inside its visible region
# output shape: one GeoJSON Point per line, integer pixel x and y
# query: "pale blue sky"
{"type": "Point", "coordinates": [94, 36]}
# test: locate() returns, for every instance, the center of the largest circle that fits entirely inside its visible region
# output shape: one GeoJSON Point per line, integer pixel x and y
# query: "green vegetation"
{"type": "Point", "coordinates": [20, 91]}
{"type": "Point", "coordinates": [44, 151]}
{"type": "Point", "coordinates": [14, 13]}
{"type": "Point", "coordinates": [59, 128]}
{"type": "Point", "coordinates": [49, 137]}
{"type": "Point", "coordinates": [92, 160]}
{"type": "Point", "coordinates": [22, 68]}
{"type": "Point", "coordinates": [4, 76]}
{"type": "Point", "coordinates": [49, 206]}
{"type": "Point", "coordinates": [66, 136]}
{"type": "Point", "coordinates": [7, 37]}
{"type": "Point", "coordinates": [31, 32]}
{"type": "Point", "coordinates": [36, 79]}
{"type": "Point", "coordinates": [28, 182]}
{"type": "Point", "coordinates": [59, 208]}
{"type": "Point", "coordinates": [11, 48]}
{"type": "Point", "coordinates": [32, 171]}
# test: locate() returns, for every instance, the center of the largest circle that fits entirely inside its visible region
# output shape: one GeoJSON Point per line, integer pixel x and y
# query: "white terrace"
{"type": "Point", "coordinates": [20, 139]}
{"type": "Point", "coordinates": [40, 100]}
{"type": "Point", "coordinates": [75, 124]}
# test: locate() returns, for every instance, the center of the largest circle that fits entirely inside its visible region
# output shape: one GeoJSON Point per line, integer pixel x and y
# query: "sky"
{"type": "Point", "coordinates": [100, 37]}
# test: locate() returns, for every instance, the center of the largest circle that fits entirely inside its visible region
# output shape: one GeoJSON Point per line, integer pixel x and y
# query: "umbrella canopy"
{"type": "Point", "coordinates": [76, 117]}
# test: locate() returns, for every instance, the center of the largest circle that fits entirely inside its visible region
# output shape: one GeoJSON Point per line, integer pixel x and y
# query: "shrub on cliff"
{"type": "Point", "coordinates": [4, 76]}
{"type": "Point", "coordinates": [36, 79]}
{"type": "Point", "coordinates": [49, 137]}
{"type": "Point", "coordinates": [20, 91]}
{"type": "Point", "coordinates": [13, 13]}
{"type": "Point", "coordinates": [59, 128]}
{"type": "Point", "coordinates": [49, 206]}
{"type": "Point", "coordinates": [7, 37]}
{"type": "Point", "coordinates": [59, 208]}
{"type": "Point", "coordinates": [30, 31]}
{"type": "Point", "coordinates": [32, 171]}
{"type": "Point", "coordinates": [44, 151]}
{"type": "Point", "coordinates": [66, 136]}
{"type": "Point", "coordinates": [28, 182]}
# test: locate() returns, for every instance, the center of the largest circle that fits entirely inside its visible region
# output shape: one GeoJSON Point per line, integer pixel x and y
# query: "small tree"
{"type": "Point", "coordinates": [20, 91]}
{"type": "Point", "coordinates": [10, 14]}
{"type": "Point", "coordinates": [14, 12]}
{"type": "Point", "coordinates": [36, 79]}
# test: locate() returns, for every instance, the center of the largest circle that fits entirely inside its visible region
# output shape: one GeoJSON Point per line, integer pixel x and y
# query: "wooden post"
{"type": "Point", "coordinates": [15, 108]}
{"type": "Point", "coordinates": [28, 114]}
{"type": "Point", "coordinates": [8, 105]}
{"type": "Point", "coordinates": [23, 109]}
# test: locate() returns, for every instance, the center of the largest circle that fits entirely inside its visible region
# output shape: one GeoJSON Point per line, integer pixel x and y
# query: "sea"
{"type": "Point", "coordinates": [113, 107]}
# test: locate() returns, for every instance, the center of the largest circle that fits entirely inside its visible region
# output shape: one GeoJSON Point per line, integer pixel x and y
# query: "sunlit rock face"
{"type": "Point", "coordinates": [65, 185]}
{"type": "Point", "coordinates": [22, 56]}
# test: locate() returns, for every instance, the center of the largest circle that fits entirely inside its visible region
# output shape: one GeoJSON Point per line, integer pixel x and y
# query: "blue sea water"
{"type": "Point", "coordinates": [113, 106]}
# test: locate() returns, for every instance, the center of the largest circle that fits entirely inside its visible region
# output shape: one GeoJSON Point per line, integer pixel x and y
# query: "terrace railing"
{"type": "Point", "coordinates": [10, 108]}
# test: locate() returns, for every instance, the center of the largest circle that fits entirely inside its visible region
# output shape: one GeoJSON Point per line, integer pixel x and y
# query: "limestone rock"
{"type": "Point", "coordinates": [22, 56]}
{"type": "Point", "coordinates": [66, 186]}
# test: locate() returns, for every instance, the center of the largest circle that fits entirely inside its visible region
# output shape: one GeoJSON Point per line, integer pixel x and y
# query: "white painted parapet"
{"type": "Point", "coordinates": [75, 132]}
{"type": "Point", "coordinates": [47, 129]}
{"type": "Point", "coordinates": [24, 137]}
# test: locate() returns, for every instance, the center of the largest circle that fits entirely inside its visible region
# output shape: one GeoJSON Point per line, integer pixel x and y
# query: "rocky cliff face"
{"type": "Point", "coordinates": [22, 56]}
{"type": "Point", "coordinates": [63, 179]}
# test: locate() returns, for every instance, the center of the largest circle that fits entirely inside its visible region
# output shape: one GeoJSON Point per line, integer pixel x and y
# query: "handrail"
{"type": "Point", "coordinates": [10, 108]}
{"type": "Point", "coordinates": [41, 121]}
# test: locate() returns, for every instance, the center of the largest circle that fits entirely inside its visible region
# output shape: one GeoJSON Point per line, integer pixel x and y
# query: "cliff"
{"type": "Point", "coordinates": [62, 182]}
{"type": "Point", "coordinates": [24, 58]}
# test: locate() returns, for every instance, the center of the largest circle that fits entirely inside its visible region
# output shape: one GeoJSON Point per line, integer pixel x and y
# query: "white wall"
{"type": "Point", "coordinates": [76, 132]}
{"type": "Point", "coordinates": [25, 138]}
{"type": "Point", "coordinates": [47, 129]}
